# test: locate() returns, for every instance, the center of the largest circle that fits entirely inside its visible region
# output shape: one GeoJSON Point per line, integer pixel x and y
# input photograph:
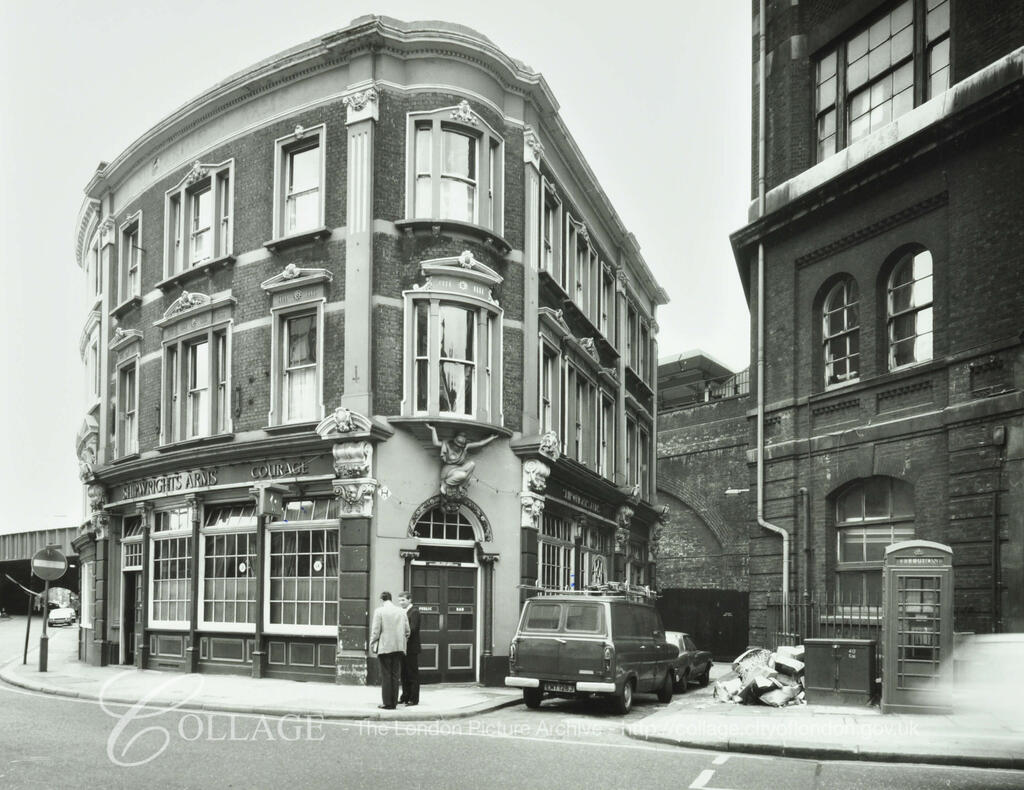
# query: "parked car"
{"type": "Point", "coordinates": [61, 616]}
{"type": "Point", "coordinates": [607, 644]}
{"type": "Point", "coordinates": [692, 665]}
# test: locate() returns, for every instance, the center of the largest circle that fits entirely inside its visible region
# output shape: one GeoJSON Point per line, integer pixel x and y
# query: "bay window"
{"type": "Point", "coordinates": [302, 572]}
{"type": "Point", "coordinates": [456, 168]}
{"type": "Point", "coordinates": [454, 348]}
{"type": "Point", "coordinates": [198, 218]}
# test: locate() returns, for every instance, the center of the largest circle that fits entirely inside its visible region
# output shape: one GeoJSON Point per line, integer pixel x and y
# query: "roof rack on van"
{"type": "Point", "coordinates": [632, 591]}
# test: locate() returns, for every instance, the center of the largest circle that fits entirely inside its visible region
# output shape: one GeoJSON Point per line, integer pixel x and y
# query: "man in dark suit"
{"type": "Point", "coordinates": [411, 659]}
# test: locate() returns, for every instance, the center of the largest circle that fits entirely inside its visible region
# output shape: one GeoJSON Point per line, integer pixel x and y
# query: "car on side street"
{"type": "Point", "coordinates": [691, 665]}
{"type": "Point", "coordinates": [608, 643]}
{"type": "Point", "coordinates": [61, 616]}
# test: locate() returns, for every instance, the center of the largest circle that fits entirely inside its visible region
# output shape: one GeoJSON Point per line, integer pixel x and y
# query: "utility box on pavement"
{"type": "Point", "coordinates": [917, 628]}
{"type": "Point", "coordinates": [839, 671]}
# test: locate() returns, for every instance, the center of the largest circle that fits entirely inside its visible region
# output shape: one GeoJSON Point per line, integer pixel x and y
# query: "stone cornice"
{"type": "Point", "coordinates": [385, 36]}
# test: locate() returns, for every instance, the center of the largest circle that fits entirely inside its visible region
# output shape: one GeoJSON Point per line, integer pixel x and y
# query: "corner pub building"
{"type": "Point", "coordinates": [360, 318]}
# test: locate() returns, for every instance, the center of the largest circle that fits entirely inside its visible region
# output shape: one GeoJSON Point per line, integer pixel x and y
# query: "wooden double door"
{"type": "Point", "coordinates": [446, 598]}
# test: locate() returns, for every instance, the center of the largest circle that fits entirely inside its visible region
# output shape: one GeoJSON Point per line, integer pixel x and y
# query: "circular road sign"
{"type": "Point", "coordinates": [49, 564]}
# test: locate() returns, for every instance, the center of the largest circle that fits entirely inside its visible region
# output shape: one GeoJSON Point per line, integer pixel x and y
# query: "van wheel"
{"type": "Point", "coordinates": [622, 702]}
{"type": "Point", "coordinates": [683, 682]}
{"type": "Point", "coordinates": [532, 698]}
{"type": "Point", "coordinates": [665, 692]}
{"type": "Point", "coordinates": [706, 677]}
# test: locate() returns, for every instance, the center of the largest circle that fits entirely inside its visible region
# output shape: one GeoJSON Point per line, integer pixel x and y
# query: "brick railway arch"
{"type": "Point", "coordinates": [707, 512]}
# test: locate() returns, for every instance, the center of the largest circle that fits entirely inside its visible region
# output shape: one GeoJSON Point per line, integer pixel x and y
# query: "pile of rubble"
{"type": "Point", "coordinates": [761, 676]}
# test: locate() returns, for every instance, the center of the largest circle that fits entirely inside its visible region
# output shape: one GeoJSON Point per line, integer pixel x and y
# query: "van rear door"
{"type": "Point", "coordinates": [538, 641]}
{"type": "Point", "coordinates": [584, 631]}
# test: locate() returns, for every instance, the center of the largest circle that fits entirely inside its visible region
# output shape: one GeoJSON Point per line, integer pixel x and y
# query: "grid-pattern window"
{"type": "Point", "coordinates": [936, 33]}
{"type": "Point", "coordinates": [841, 333]}
{"type": "Point", "coordinates": [910, 310]}
{"type": "Point", "coordinates": [304, 577]}
{"type": "Point", "coordinates": [172, 520]}
{"type": "Point", "coordinates": [229, 578]}
{"type": "Point", "coordinates": [131, 545]}
{"type": "Point", "coordinates": [557, 554]}
{"type": "Point", "coordinates": [172, 579]}
{"type": "Point", "coordinates": [870, 515]}
{"type": "Point", "coordinates": [869, 79]}
{"type": "Point", "coordinates": [131, 556]}
{"type": "Point", "coordinates": [439, 524]}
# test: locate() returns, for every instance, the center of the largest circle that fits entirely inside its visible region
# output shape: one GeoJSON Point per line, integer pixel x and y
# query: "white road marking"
{"type": "Point", "coordinates": [720, 759]}
{"type": "Point", "coordinates": [702, 780]}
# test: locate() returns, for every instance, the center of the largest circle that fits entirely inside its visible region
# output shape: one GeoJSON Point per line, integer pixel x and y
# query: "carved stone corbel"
{"type": "Point", "coordinates": [532, 509]}
{"type": "Point", "coordinates": [353, 459]}
{"type": "Point", "coordinates": [355, 496]}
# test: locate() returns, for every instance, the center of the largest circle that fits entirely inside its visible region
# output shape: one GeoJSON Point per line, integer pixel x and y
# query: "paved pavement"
{"type": "Point", "coordinates": [989, 735]}
{"type": "Point", "coordinates": [126, 685]}
{"type": "Point", "coordinates": [990, 738]}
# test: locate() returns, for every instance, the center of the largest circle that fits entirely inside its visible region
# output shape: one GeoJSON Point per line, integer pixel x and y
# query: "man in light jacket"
{"type": "Point", "coordinates": [387, 639]}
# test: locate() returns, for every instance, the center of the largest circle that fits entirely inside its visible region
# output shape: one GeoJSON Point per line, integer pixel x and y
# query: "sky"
{"type": "Point", "coordinates": [655, 92]}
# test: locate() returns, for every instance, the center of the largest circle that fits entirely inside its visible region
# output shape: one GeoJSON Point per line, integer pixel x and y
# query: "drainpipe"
{"type": "Point", "coordinates": [761, 206]}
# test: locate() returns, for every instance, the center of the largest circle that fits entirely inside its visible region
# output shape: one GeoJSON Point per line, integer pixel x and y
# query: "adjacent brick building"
{"type": "Point", "coordinates": [377, 248]}
{"type": "Point", "coordinates": [893, 303]}
{"type": "Point", "coordinates": [894, 295]}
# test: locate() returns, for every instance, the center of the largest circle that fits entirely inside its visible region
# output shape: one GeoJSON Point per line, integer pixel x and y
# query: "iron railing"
{"type": "Point", "coordinates": [792, 624]}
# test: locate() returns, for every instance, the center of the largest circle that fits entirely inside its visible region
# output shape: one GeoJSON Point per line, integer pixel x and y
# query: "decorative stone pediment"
{"type": "Point", "coordinates": [554, 321]}
{"type": "Point", "coordinates": [343, 423]}
{"type": "Point", "coordinates": [187, 301]}
{"type": "Point", "coordinates": [294, 277]}
{"type": "Point", "coordinates": [458, 272]}
{"type": "Point", "coordinates": [197, 172]}
{"type": "Point", "coordinates": [464, 114]}
{"type": "Point", "coordinates": [122, 338]}
{"type": "Point", "coordinates": [192, 311]}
